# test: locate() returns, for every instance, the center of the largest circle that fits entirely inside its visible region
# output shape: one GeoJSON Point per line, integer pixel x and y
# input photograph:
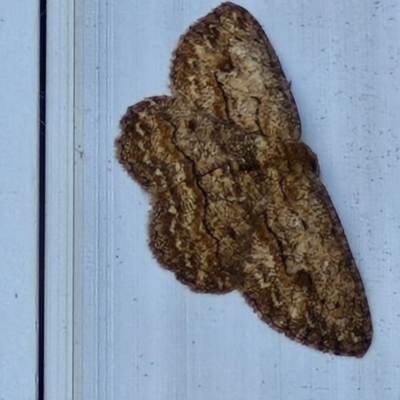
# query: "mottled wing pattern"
{"type": "Point", "coordinates": [226, 64]}
{"type": "Point", "coordinates": [237, 202]}
{"type": "Point", "coordinates": [151, 148]}
{"type": "Point", "coordinates": [300, 276]}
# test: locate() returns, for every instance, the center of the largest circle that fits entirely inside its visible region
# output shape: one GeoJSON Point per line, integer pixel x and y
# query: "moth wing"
{"type": "Point", "coordinates": [225, 64]}
{"type": "Point", "coordinates": [181, 242]}
{"type": "Point", "coordinates": [300, 275]}
{"type": "Point", "coordinates": [163, 145]}
{"type": "Point", "coordinates": [145, 146]}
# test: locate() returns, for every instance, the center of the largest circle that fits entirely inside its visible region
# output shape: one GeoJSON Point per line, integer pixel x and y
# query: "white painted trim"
{"type": "Point", "coordinates": [93, 211]}
{"type": "Point", "coordinates": [60, 154]}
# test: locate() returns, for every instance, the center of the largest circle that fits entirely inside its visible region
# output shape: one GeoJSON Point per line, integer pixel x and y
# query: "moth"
{"type": "Point", "coordinates": [237, 203]}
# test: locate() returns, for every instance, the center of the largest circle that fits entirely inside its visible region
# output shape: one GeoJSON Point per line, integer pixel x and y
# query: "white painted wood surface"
{"type": "Point", "coordinates": [19, 134]}
{"type": "Point", "coordinates": [60, 153]}
{"type": "Point", "coordinates": [137, 332]}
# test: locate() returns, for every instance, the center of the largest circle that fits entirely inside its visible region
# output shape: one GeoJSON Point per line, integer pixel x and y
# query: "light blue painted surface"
{"type": "Point", "coordinates": [19, 52]}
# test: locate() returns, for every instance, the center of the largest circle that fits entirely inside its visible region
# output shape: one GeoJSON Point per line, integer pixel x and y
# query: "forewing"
{"type": "Point", "coordinates": [300, 275]}
{"type": "Point", "coordinates": [225, 64]}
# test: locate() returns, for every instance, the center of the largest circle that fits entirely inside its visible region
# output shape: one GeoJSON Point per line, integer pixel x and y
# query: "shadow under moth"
{"type": "Point", "coordinates": [237, 203]}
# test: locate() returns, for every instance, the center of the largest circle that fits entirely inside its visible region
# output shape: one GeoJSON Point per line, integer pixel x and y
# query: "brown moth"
{"type": "Point", "coordinates": [237, 201]}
